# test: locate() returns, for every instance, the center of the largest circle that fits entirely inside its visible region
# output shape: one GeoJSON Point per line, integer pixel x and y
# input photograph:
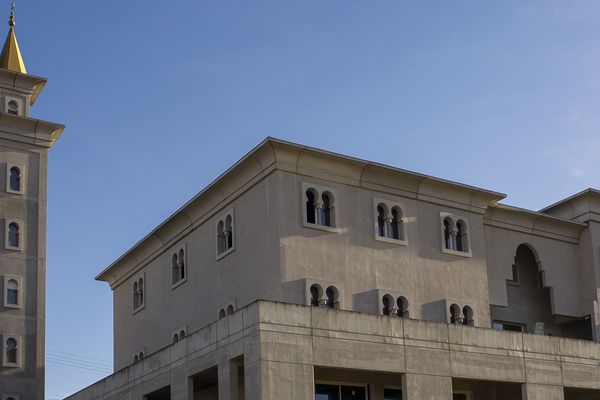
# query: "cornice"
{"type": "Point", "coordinates": [30, 131]}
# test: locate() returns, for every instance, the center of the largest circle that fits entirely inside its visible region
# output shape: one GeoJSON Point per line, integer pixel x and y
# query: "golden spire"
{"type": "Point", "coordinates": [11, 58]}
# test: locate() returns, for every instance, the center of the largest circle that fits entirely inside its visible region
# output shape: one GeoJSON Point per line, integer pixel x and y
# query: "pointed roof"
{"type": "Point", "coordinates": [11, 58]}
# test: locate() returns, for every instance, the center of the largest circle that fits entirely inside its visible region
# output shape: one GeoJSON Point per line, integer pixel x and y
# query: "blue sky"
{"type": "Point", "coordinates": [161, 97]}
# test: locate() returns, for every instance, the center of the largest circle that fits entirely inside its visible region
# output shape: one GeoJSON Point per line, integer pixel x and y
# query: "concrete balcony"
{"type": "Point", "coordinates": [278, 351]}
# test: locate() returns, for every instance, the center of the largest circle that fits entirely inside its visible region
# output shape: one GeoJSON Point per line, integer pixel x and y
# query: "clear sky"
{"type": "Point", "coordinates": [161, 97]}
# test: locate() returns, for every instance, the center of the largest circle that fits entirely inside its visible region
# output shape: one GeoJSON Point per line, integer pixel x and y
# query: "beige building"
{"type": "Point", "coordinates": [24, 146]}
{"type": "Point", "coordinates": [304, 274]}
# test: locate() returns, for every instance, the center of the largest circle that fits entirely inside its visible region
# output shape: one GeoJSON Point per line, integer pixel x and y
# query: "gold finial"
{"type": "Point", "coordinates": [11, 21]}
{"type": "Point", "coordinates": [11, 58]}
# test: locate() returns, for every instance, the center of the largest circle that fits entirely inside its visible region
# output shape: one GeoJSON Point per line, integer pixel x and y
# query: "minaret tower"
{"type": "Point", "coordinates": [24, 146]}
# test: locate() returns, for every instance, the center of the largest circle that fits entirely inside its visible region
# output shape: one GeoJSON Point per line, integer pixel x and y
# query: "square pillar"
{"type": "Point", "coordinates": [181, 388]}
{"type": "Point", "coordinates": [426, 387]}
{"type": "Point", "coordinates": [533, 391]}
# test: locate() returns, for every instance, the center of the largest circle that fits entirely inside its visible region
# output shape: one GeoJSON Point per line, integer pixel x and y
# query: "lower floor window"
{"type": "Point", "coordinates": [508, 326]}
{"type": "Point", "coordinates": [392, 394]}
{"type": "Point", "coordinates": [340, 392]}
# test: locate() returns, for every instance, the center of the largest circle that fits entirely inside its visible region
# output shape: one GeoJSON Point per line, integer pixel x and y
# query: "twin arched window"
{"type": "Point", "coordinates": [456, 236]}
{"type": "Point", "coordinates": [138, 294]}
{"type": "Point", "coordinates": [330, 298]}
{"type": "Point", "coordinates": [177, 336]}
{"type": "Point", "coordinates": [224, 312]}
{"type": "Point", "coordinates": [395, 307]}
{"type": "Point", "coordinates": [464, 318]}
{"type": "Point", "coordinates": [390, 220]}
{"type": "Point", "coordinates": [178, 267]}
{"type": "Point", "coordinates": [138, 357]}
{"type": "Point", "coordinates": [320, 207]}
{"type": "Point", "coordinates": [14, 235]}
{"type": "Point", "coordinates": [225, 239]}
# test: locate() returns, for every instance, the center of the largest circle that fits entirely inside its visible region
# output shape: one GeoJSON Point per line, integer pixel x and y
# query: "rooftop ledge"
{"type": "Point", "coordinates": [280, 332]}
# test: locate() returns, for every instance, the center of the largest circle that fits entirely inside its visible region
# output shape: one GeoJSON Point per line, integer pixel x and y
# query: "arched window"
{"type": "Point", "coordinates": [181, 334]}
{"type": "Point", "coordinates": [175, 338]}
{"type": "Point", "coordinates": [15, 179]}
{"type": "Point", "coordinates": [402, 303]}
{"type": "Point", "coordinates": [141, 356]}
{"type": "Point", "coordinates": [14, 235]}
{"type": "Point", "coordinates": [135, 358]}
{"type": "Point", "coordinates": [449, 234]}
{"type": "Point", "coordinates": [221, 237]}
{"type": "Point", "coordinates": [397, 224]}
{"type": "Point", "coordinates": [315, 295]}
{"type": "Point", "coordinates": [311, 207]}
{"type": "Point", "coordinates": [381, 220]}
{"type": "Point", "coordinates": [182, 264]}
{"type": "Point", "coordinates": [388, 305]}
{"type": "Point", "coordinates": [12, 292]}
{"type": "Point", "coordinates": [141, 291]}
{"type": "Point", "coordinates": [221, 313]}
{"type": "Point", "coordinates": [468, 316]}
{"type": "Point", "coordinates": [462, 242]}
{"type": "Point", "coordinates": [228, 232]}
{"type": "Point", "coordinates": [174, 269]}
{"type": "Point", "coordinates": [11, 351]}
{"type": "Point", "coordinates": [326, 210]}
{"type": "Point", "coordinates": [136, 296]}
{"type": "Point", "coordinates": [455, 317]}
{"type": "Point", "coordinates": [229, 309]}
{"type": "Point", "coordinates": [13, 107]}
{"type": "Point", "coordinates": [332, 295]}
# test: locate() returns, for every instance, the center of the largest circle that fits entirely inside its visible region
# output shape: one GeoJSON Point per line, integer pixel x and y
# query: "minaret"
{"type": "Point", "coordinates": [24, 146]}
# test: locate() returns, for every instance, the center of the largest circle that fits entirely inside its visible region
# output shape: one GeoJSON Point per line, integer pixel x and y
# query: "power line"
{"type": "Point", "coordinates": [79, 360]}
{"type": "Point", "coordinates": [100, 360]}
{"type": "Point", "coordinates": [65, 375]}
{"type": "Point", "coordinates": [81, 366]}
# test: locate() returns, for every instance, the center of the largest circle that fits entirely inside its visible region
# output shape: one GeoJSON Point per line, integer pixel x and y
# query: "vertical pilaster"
{"type": "Point", "coordinates": [426, 387]}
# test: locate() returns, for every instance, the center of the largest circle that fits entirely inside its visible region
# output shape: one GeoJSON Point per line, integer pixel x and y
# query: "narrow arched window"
{"type": "Point", "coordinates": [315, 296]}
{"type": "Point", "coordinates": [141, 356]}
{"type": "Point", "coordinates": [310, 207]}
{"type": "Point", "coordinates": [15, 179]}
{"type": "Point", "coordinates": [455, 317]}
{"type": "Point", "coordinates": [462, 243]}
{"type": "Point", "coordinates": [141, 291]}
{"type": "Point", "coordinates": [136, 296]}
{"type": "Point", "coordinates": [175, 338]}
{"type": "Point", "coordinates": [326, 209]}
{"type": "Point", "coordinates": [381, 220]}
{"type": "Point", "coordinates": [229, 309]}
{"type": "Point", "coordinates": [397, 224]}
{"type": "Point", "coordinates": [135, 358]}
{"type": "Point", "coordinates": [332, 296]}
{"type": "Point", "coordinates": [448, 233]}
{"type": "Point", "coordinates": [221, 241]}
{"type": "Point", "coordinates": [221, 313]}
{"type": "Point", "coordinates": [228, 232]}
{"type": "Point", "coordinates": [13, 107]}
{"type": "Point", "coordinates": [181, 262]}
{"type": "Point", "coordinates": [14, 235]}
{"type": "Point", "coordinates": [388, 305]}
{"type": "Point", "coordinates": [468, 316]}
{"type": "Point", "coordinates": [402, 303]}
{"type": "Point", "coordinates": [174, 269]}
{"type": "Point", "coordinates": [181, 335]}
{"type": "Point", "coordinates": [12, 292]}
{"type": "Point", "coordinates": [11, 351]}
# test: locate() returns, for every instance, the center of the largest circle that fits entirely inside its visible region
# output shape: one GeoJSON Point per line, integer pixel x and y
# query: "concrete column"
{"type": "Point", "coordinates": [180, 384]}
{"type": "Point", "coordinates": [533, 391]}
{"type": "Point", "coordinates": [426, 387]}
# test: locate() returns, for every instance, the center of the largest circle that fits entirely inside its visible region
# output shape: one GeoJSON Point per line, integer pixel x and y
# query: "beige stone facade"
{"type": "Point", "coordinates": [24, 146]}
{"type": "Point", "coordinates": [303, 274]}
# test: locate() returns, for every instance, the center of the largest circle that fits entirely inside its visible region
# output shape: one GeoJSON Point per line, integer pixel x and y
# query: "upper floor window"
{"type": "Point", "coordinates": [455, 234]}
{"type": "Point", "coordinates": [13, 236]}
{"type": "Point", "coordinates": [328, 298]}
{"type": "Point", "coordinates": [138, 294]}
{"type": "Point", "coordinates": [225, 234]}
{"type": "Point", "coordinates": [12, 293]}
{"type": "Point", "coordinates": [178, 267]}
{"type": "Point", "coordinates": [461, 317]}
{"type": "Point", "coordinates": [389, 221]}
{"type": "Point", "coordinates": [15, 179]}
{"type": "Point", "coordinates": [395, 307]}
{"type": "Point", "coordinates": [12, 107]}
{"type": "Point", "coordinates": [11, 352]}
{"type": "Point", "coordinates": [319, 206]}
